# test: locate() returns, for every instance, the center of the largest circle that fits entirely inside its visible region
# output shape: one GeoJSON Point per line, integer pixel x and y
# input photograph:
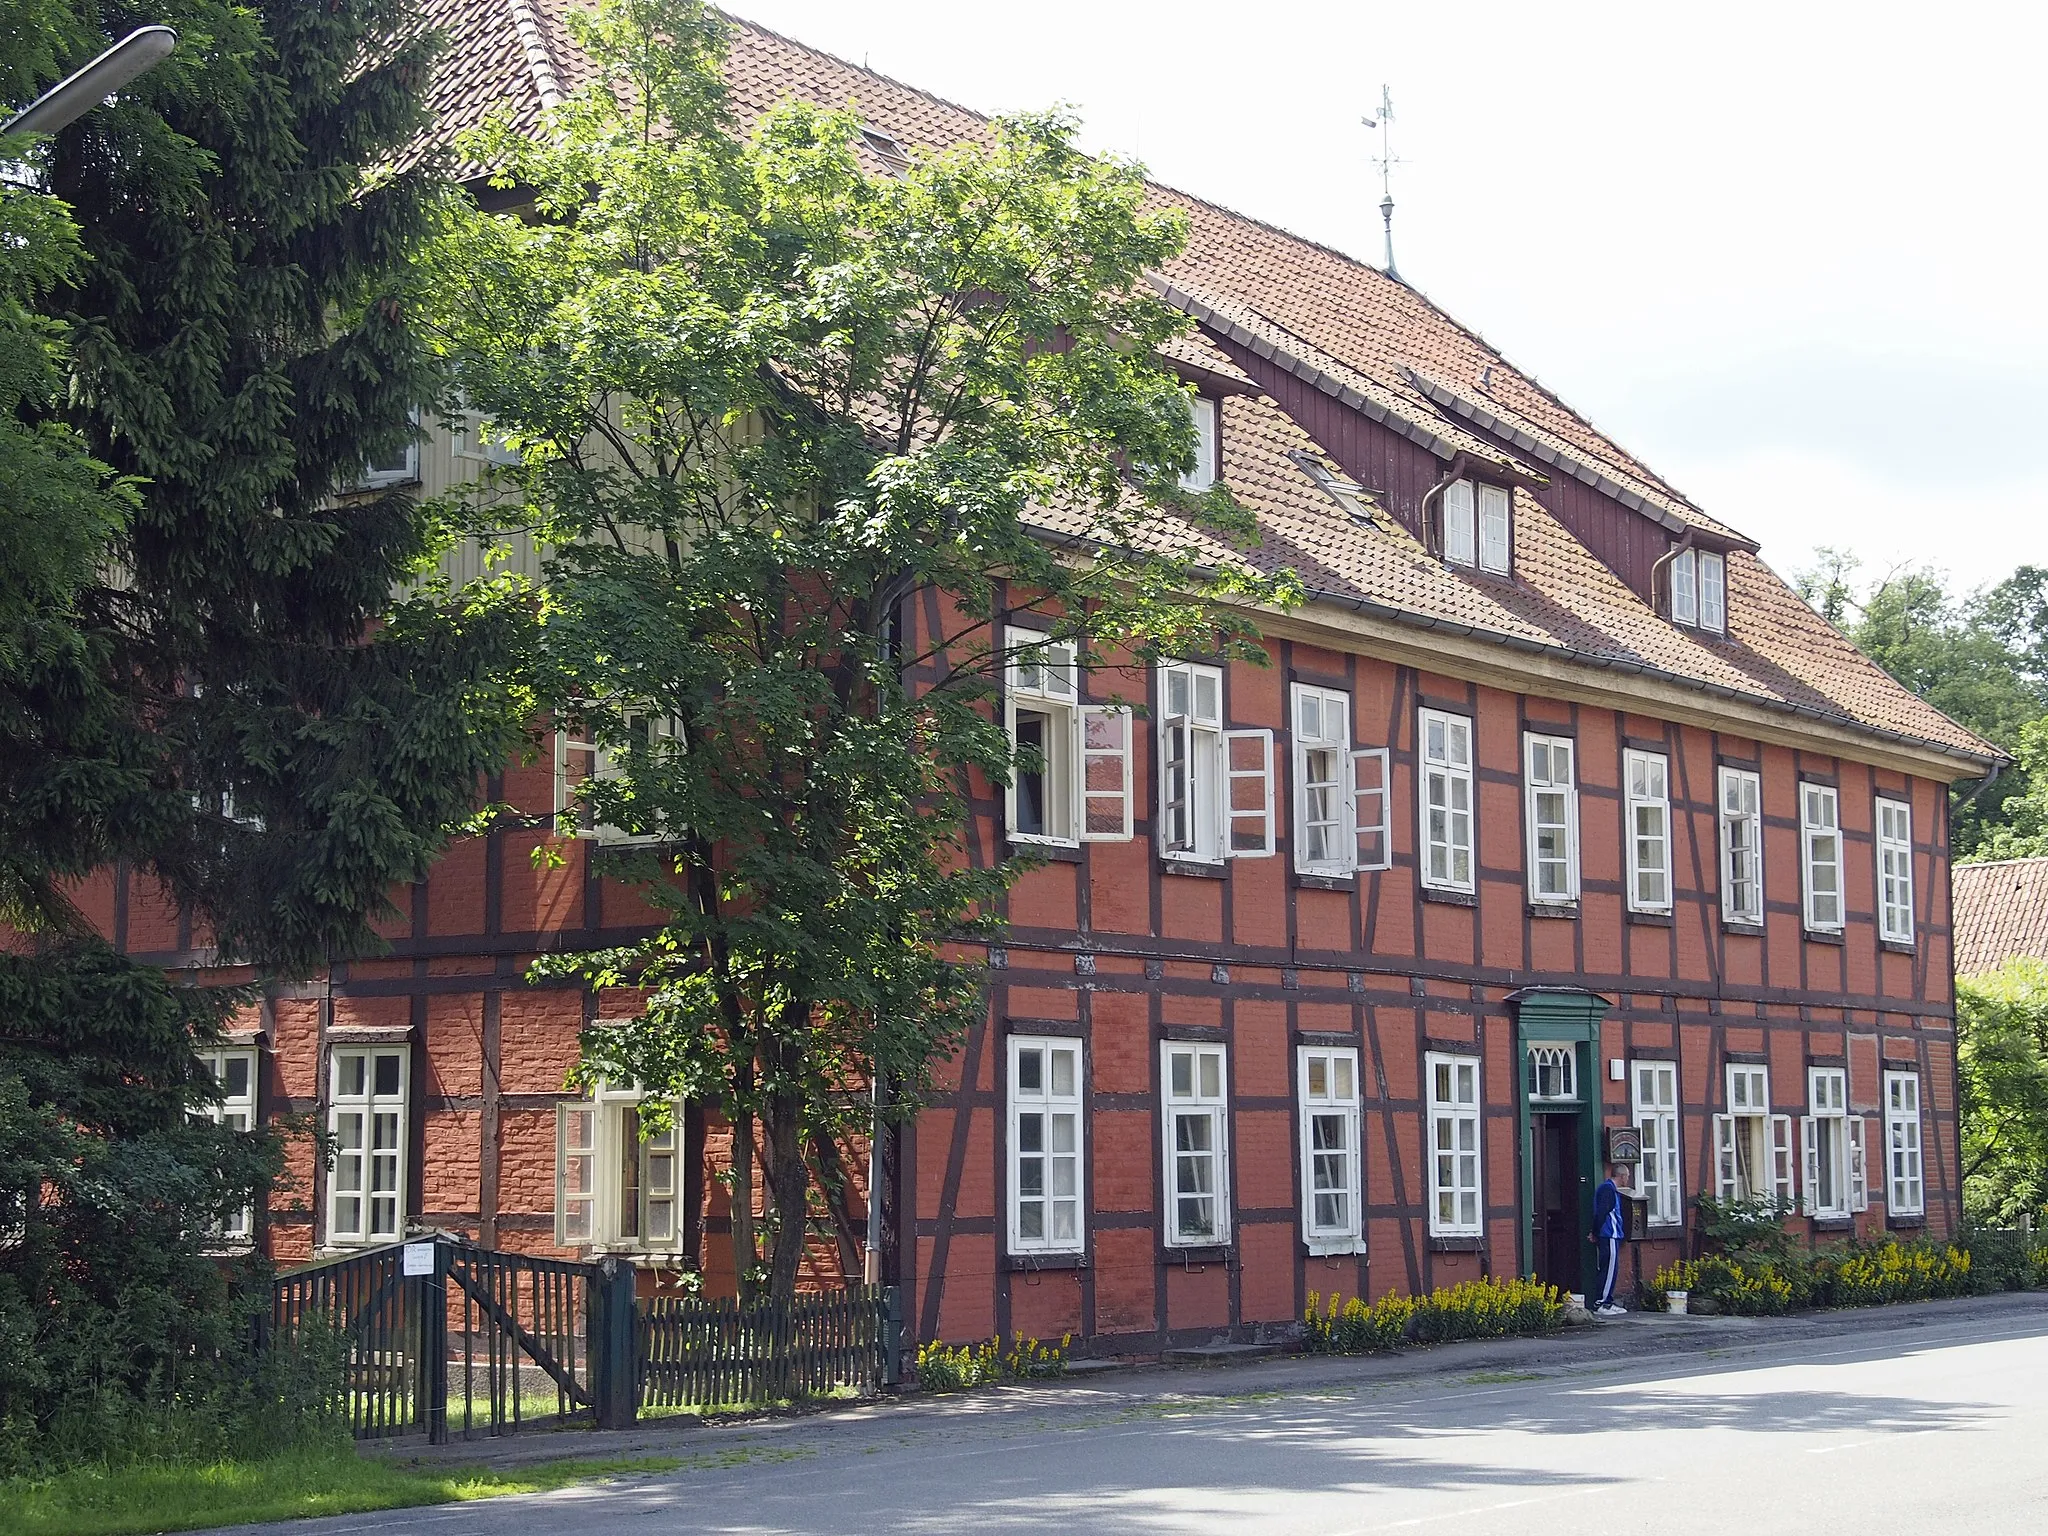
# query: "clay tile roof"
{"type": "Point", "coordinates": [1363, 338]}
{"type": "Point", "coordinates": [2001, 911]}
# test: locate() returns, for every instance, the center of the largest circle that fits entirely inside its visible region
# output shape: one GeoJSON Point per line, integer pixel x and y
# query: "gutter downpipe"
{"type": "Point", "coordinates": [1678, 547]}
{"type": "Point", "coordinates": [1434, 494]}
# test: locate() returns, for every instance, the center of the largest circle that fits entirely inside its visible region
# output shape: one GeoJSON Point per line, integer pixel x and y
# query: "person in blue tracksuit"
{"type": "Point", "coordinates": [1607, 1233]}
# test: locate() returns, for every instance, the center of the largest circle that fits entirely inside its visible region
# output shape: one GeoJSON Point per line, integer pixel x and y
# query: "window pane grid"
{"type": "Point", "coordinates": [1196, 1145]}
{"type": "Point", "coordinates": [1553, 819]}
{"type": "Point", "coordinates": [1655, 1107]}
{"type": "Point", "coordinates": [1045, 1145]}
{"type": "Point", "coordinates": [1446, 800]}
{"type": "Point", "coordinates": [1453, 1083]}
{"type": "Point", "coordinates": [1820, 835]}
{"type": "Point", "coordinates": [1649, 832]}
{"type": "Point", "coordinates": [1742, 893]}
{"type": "Point", "coordinates": [1330, 1142]}
{"type": "Point", "coordinates": [367, 1119]}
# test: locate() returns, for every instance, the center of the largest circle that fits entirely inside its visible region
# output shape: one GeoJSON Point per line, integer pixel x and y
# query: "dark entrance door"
{"type": "Point", "coordinates": [1560, 1245]}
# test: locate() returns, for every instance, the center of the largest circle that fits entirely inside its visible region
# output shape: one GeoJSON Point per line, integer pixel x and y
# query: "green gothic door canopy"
{"type": "Point", "coordinates": [1559, 1013]}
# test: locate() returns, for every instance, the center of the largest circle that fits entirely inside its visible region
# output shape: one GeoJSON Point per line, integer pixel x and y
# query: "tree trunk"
{"type": "Point", "coordinates": [744, 1255]}
{"type": "Point", "coordinates": [790, 1176]}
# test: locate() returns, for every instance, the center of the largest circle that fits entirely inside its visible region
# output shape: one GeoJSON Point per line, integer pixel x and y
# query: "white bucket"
{"type": "Point", "coordinates": [1675, 1301]}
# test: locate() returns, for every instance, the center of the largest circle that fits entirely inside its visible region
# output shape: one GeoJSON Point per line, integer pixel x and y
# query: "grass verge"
{"type": "Point", "coordinates": [184, 1496]}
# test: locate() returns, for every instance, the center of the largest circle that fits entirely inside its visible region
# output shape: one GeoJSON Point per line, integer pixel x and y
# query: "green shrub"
{"type": "Point", "coordinates": [943, 1368]}
{"type": "Point", "coordinates": [2003, 1258]}
{"type": "Point", "coordinates": [1853, 1276]}
{"type": "Point", "coordinates": [1747, 1231]}
{"type": "Point", "coordinates": [1472, 1309]}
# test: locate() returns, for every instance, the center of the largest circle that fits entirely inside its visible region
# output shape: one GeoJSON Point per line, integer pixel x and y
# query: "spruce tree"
{"type": "Point", "coordinates": [205, 676]}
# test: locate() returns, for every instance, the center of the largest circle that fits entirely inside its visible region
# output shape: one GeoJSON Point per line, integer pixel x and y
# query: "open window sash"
{"type": "Point", "coordinates": [1105, 743]}
{"type": "Point", "coordinates": [1248, 831]}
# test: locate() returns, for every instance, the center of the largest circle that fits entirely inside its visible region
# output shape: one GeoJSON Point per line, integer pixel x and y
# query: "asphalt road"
{"type": "Point", "coordinates": [1937, 1428]}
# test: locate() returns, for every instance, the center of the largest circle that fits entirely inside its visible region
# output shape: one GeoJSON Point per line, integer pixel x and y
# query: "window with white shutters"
{"type": "Point", "coordinates": [1046, 1133]}
{"type": "Point", "coordinates": [1895, 871]}
{"type": "Point", "coordinates": [1202, 410]}
{"type": "Point", "coordinates": [618, 1181]}
{"type": "Point", "coordinates": [1742, 830]}
{"type": "Point", "coordinates": [1041, 706]}
{"type": "Point", "coordinates": [233, 1070]}
{"type": "Point", "coordinates": [1460, 531]}
{"type": "Point", "coordinates": [1445, 783]}
{"type": "Point", "coordinates": [1552, 813]}
{"type": "Point", "coordinates": [1826, 1138]}
{"type": "Point", "coordinates": [1197, 1144]}
{"type": "Point", "coordinates": [1653, 1101]}
{"type": "Point", "coordinates": [368, 1120]}
{"type": "Point", "coordinates": [1071, 780]}
{"type": "Point", "coordinates": [1820, 835]}
{"type": "Point", "coordinates": [1648, 810]}
{"type": "Point", "coordinates": [1215, 786]}
{"type": "Point", "coordinates": [1905, 1187]}
{"type": "Point", "coordinates": [1753, 1150]}
{"type": "Point", "coordinates": [1324, 843]}
{"type": "Point", "coordinates": [1331, 1194]}
{"type": "Point", "coordinates": [1454, 1171]}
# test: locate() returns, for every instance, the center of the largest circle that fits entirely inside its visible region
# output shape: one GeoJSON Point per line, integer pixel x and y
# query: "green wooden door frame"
{"type": "Point", "coordinates": [1558, 1016]}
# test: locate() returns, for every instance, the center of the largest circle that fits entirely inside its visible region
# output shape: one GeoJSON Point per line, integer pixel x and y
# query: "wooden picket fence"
{"type": "Point", "coordinates": [713, 1354]}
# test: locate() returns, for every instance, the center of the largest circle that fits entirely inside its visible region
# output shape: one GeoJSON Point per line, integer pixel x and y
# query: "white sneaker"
{"type": "Point", "coordinates": [1612, 1309]}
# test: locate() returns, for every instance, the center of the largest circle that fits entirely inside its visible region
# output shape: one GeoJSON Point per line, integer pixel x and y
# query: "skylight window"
{"type": "Point", "coordinates": [886, 149]}
{"type": "Point", "coordinates": [1354, 498]}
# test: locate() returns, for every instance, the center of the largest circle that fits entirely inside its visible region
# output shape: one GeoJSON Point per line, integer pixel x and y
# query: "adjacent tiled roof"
{"type": "Point", "coordinates": [2001, 910]}
{"type": "Point", "coordinates": [1364, 338]}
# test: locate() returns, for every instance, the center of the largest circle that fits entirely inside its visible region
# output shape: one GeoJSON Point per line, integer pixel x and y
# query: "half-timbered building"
{"type": "Point", "coordinates": [1557, 813]}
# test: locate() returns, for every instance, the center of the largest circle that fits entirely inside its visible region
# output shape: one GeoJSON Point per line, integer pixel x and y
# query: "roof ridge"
{"type": "Point", "coordinates": [1963, 864]}
{"type": "Point", "coordinates": [533, 43]}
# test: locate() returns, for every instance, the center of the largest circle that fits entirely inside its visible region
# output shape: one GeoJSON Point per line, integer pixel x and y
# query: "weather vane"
{"type": "Point", "coordinates": [1386, 160]}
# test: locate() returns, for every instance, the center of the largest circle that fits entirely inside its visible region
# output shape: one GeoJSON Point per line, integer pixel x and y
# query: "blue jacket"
{"type": "Point", "coordinates": [1607, 1220]}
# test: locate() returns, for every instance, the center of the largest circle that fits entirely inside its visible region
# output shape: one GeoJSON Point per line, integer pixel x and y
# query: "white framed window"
{"type": "Point", "coordinates": [1713, 592]}
{"type": "Point", "coordinates": [1446, 799]}
{"type": "Point", "coordinates": [1372, 808]}
{"type": "Point", "coordinates": [1046, 1134]}
{"type": "Point", "coordinates": [233, 1070]}
{"type": "Point", "coordinates": [1550, 1072]}
{"type": "Point", "coordinates": [1041, 702]}
{"type": "Point", "coordinates": [1653, 1104]}
{"type": "Point", "coordinates": [1076, 786]}
{"type": "Point", "coordinates": [580, 758]}
{"type": "Point", "coordinates": [1197, 1144]}
{"type": "Point", "coordinates": [1647, 795]}
{"type": "Point", "coordinates": [1552, 808]}
{"type": "Point", "coordinates": [1215, 786]}
{"type": "Point", "coordinates": [1895, 870]}
{"type": "Point", "coordinates": [1460, 524]}
{"type": "Point", "coordinates": [1742, 834]}
{"type": "Point", "coordinates": [1454, 1172]}
{"type": "Point", "coordinates": [1820, 842]}
{"type": "Point", "coordinates": [1905, 1186]}
{"type": "Point", "coordinates": [399, 467]}
{"type": "Point", "coordinates": [1752, 1146]}
{"type": "Point", "coordinates": [1331, 1192]}
{"type": "Point", "coordinates": [1699, 590]}
{"type": "Point", "coordinates": [367, 1122]}
{"type": "Point", "coordinates": [1837, 1182]}
{"type": "Point", "coordinates": [618, 1184]}
{"type": "Point", "coordinates": [1324, 843]}
{"type": "Point", "coordinates": [1203, 411]}
{"type": "Point", "coordinates": [1495, 530]}
{"type": "Point", "coordinates": [480, 442]}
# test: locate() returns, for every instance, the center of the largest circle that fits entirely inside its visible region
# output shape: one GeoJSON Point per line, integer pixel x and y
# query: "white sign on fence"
{"type": "Point", "coordinates": [419, 1259]}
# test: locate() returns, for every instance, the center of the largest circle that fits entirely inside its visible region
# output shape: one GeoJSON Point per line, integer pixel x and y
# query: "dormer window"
{"type": "Point", "coordinates": [1477, 525]}
{"type": "Point", "coordinates": [1203, 410]}
{"type": "Point", "coordinates": [1699, 590]}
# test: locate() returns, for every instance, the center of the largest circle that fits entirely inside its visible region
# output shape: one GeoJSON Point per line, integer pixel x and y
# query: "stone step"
{"type": "Point", "coordinates": [1217, 1354]}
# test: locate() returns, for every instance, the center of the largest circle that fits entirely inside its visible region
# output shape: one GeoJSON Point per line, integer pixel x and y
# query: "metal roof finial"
{"type": "Point", "coordinates": [1386, 160]}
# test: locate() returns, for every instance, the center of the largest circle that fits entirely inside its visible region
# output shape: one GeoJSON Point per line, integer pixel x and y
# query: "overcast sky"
{"type": "Point", "coordinates": [1791, 256]}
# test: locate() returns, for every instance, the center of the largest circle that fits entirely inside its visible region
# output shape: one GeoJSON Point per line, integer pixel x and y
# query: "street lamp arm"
{"type": "Point", "coordinates": [78, 93]}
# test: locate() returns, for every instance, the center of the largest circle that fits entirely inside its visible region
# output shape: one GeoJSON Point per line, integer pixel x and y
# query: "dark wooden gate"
{"type": "Point", "coordinates": [442, 1338]}
{"type": "Point", "coordinates": [713, 1353]}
